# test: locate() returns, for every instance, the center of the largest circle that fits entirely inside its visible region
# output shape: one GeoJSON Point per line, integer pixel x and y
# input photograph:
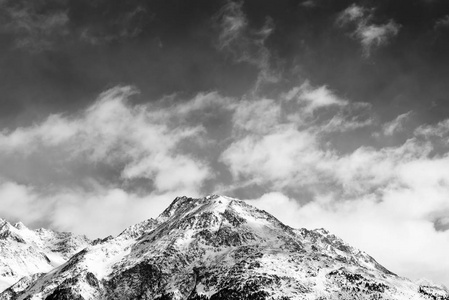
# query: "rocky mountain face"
{"type": "Point", "coordinates": [219, 248]}
{"type": "Point", "coordinates": [25, 252]}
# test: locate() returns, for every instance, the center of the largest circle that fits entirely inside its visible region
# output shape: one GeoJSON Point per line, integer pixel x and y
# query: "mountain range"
{"type": "Point", "coordinates": [214, 248]}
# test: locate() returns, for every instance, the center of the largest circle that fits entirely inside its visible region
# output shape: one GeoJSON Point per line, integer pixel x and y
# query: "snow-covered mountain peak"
{"type": "Point", "coordinates": [218, 247]}
{"type": "Point", "coordinates": [184, 205]}
{"type": "Point", "coordinates": [217, 219]}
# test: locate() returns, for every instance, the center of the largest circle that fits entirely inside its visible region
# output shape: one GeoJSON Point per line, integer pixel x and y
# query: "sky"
{"type": "Point", "coordinates": [325, 113]}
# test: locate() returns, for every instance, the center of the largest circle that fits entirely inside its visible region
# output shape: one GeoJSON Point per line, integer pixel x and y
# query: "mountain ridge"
{"type": "Point", "coordinates": [25, 252]}
{"type": "Point", "coordinates": [218, 247]}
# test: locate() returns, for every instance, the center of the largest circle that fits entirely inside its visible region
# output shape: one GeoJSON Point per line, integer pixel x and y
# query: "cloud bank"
{"type": "Point", "coordinates": [389, 201]}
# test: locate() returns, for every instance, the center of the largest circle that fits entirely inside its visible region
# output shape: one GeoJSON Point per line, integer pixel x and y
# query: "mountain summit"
{"type": "Point", "coordinates": [219, 248]}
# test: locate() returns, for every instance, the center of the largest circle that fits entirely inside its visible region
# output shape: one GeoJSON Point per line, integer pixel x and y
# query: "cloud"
{"type": "Point", "coordinates": [314, 98]}
{"type": "Point", "coordinates": [441, 129]}
{"type": "Point", "coordinates": [354, 13]}
{"type": "Point", "coordinates": [267, 110]}
{"type": "Point", "coordinates": [278, 204]}
{"type": "Point", "coordinates": [244, 43]}
{"type": "Point", "coordinates": [97, 213]}
{"type": "Point", "coordinates": [397, 196]}
{"type": "Point", "coordinates": [309, 3]}
{"type": "Point", "coordinates": [37, 26]}
{"type": "Point", "coordinates": [388, 229]}
{"type": "Point", "coordinates": [116, 25]}
{"type": "Point", "coordinates": [132, 139]}
{"type": "Point", "coordinates": [370, 35]}
{"type": "Point", "coordinates": [388, 201]}
{"type": "Point", "coordinates": [368, 168]}
{"type": "Point", "coordinates": [442, 22]}
{"type": "Point", "coordinates": [262, 160]}
{"type": "Point", "coordinates": [113, 144]}
{"type": "Point", "coordinates": [288, 153]}
{"type": "Point", "coordinates": [281, 143]}
{"type": "Point", "coordinates": [396, 125]}
{"type": "Point", "coordinates": [307, 105]}
{"type": "Point", "coordinates": [115, 132]}
{"type": "Point", "coordinates": [20, 201]}
{"type": "Point", "coordinates": [33, 28]}
{"type": "Point", "coordinates": [105, 211]}
{"type": "Point", "coordinates": [376, 35]}
{"type": "Point", "coordinates": [400, 221]}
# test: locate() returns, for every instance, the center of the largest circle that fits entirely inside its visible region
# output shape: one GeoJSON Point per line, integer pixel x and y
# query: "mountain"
{"type": "Point", "coordinates": [219, 248]}
{"type": "Point", "coordinates": [25, 252]}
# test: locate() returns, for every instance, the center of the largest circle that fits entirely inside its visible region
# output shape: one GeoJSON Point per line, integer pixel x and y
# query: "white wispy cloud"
{"type": "Point", "coordinates": [369, 34]}
{"type": "Point", "coordinates": [396, 125]}
{"type": "Point", "coordinates": [354, 13]}
{"type": "Point", "coordinates": [267, 110]}
{"type": "Point", "coordinates": [133, 139]}
{"type": "Point", "coordinates": [273, 158]}
{"type": "Point", "coordinates": [282, 141]}
{"type": "Point", "coordinates": [441, 130]}
{"type": "Point", "coordinates": [372, 36]}
{"type": "Point", "coordinates": [112, 130]}
{"type": "Point", "coordinates": [392, 218]}
{"type": "Point", "coordinates": [159, 143]}
{"type": "Point", "coordinates": [389, 202]}
{"type": "Point", "coordinates": [314, 98]}
{"type": "Point", "coordinates": [244, 43]}
{"type": "Point", "coordinates": [389, 191]}
{"type": "Point", "coordinates": [97, 213]}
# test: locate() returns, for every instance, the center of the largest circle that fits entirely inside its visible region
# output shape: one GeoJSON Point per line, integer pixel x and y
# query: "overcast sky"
{"type": "Point", "coordinates": [325, 113]}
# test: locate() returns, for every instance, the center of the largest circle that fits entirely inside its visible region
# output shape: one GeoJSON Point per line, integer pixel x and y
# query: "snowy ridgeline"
{"type": "Point", "coordinates": [25, 252]}
{"type": "Point", "coordinates": [210, 248]}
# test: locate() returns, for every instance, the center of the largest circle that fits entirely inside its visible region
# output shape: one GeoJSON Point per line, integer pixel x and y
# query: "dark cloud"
{"type": "Point", "coordinates": [99, 22]}
{"type": "Point", "coordinates": [34, 25]}
{"type": "Point", "coordinates": [42, 25]}
{"type": "Point", "coordinates": [442, 22]}
{"type": "Point", "coordinates": [442, 224]}
{"type": "Point", "coordinates": [172, 47]}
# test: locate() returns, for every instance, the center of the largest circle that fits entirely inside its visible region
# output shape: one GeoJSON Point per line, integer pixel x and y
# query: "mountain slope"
{"type": "Point", "coordinates": [220, 248]}
{"type": "Point", "coordinates": [24, 252]}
